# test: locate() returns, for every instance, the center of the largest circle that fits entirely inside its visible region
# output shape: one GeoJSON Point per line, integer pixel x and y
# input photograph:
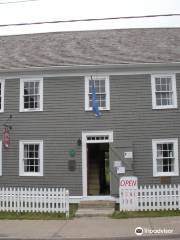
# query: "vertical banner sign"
{"type": "Point", "coordinates": [128, 193]}
{"type": "Point", "coordinates": [6, 138]}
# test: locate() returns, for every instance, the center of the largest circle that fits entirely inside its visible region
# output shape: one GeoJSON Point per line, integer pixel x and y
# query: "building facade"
{"type": "Point", "coordinates": [57, 141]}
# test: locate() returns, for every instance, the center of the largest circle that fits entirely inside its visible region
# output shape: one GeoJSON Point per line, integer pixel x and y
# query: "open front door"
{"type": "Point", "coordinates": [98, 176]}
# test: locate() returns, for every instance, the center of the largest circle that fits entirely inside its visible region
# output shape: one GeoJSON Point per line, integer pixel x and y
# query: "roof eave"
{"type": "Point", "coordinates": [123, 66]}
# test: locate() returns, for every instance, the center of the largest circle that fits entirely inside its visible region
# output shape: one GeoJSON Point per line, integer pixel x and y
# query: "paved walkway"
{"type": "Point", "coordinates": [93, 227]}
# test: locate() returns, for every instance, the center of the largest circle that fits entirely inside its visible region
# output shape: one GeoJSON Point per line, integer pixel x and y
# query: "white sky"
{"type": "Point", "coordinates": [49, 10]}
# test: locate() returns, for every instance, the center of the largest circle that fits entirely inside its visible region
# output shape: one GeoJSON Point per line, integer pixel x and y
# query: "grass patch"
{"type": "Point", "coordinates": [38, 215]}
{"type": "Point", "coordinates": [139, 214]}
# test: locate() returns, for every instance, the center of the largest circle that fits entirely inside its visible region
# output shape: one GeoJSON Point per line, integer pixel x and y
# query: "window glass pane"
{"type": "Point", "coordinates": [163, 81]}
{"type": "Point", "coordinates": [25, 151]}
{"type": "Point", "coordinates": [169, 84]}
{"type": "Point", "coordinates": [31, 103]}
{"type": "Point", "coordinates": [158, 87]}
{"type": "Point", "coordinates": [158, 99]}
{"type": "Point", "coordinates": [36, 87]}
{"type": "Point", "coordinates": [37, 101]}
{"type": "Point", "coordinates": [26, 85]}
{"type": "Point", "coordinates": [97, 86]}
{"type": "Point", "coordinates": [157, 81]}
{"type": "Point", "coordinates": [159, 150]}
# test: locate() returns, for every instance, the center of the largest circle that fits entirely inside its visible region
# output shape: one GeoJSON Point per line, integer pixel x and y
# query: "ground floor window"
{"type": "Point", "coordinates": [165, 157]}
{"type": "Point", "coordinates": [31, 158]}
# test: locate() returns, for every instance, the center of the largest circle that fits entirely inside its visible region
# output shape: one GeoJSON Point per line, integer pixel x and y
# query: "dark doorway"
{"type": "Point", "coordinates": [98, 169]}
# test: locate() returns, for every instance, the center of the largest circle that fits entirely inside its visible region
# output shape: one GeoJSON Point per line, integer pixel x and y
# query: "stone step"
{"type": "Point", "coordinates": [89, 212]}
{"type": "Point", "coordinates": [98, 204]}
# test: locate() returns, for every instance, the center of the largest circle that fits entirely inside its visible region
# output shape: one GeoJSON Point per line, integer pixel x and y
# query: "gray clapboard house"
{"type": "Point", "coordinates": [57, 141]}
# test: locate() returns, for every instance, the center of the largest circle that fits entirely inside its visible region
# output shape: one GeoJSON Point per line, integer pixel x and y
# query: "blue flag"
{"type": "Point", "coordinates": [95, 106]}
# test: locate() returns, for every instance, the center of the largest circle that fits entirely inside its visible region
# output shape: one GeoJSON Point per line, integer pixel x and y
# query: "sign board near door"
{"type": "Point", "coordinates": [129, 183]}
{"type": "Point", "coordinates": [121, 170]}
{"type": "Point", "coordinates": [128, 155]}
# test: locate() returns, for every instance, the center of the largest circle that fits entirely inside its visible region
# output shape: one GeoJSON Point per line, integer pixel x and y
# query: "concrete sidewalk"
{"type": "Point", "coordinates": [88, 228]}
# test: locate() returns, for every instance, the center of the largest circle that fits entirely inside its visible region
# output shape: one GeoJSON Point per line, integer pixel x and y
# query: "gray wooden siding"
{"type": "Point", "coordinates": [61, 123]}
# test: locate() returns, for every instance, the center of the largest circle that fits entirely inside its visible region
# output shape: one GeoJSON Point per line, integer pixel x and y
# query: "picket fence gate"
{"type": "Point", "coordinates": [15, 199]}
{"type": "Point", "coordinates": [147, 198]}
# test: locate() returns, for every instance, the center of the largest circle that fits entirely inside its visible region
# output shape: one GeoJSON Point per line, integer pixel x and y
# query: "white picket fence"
{"type": "Point", "coordinates": [34, 200]}
{"type": "Point", "coordinates": [147, 198]}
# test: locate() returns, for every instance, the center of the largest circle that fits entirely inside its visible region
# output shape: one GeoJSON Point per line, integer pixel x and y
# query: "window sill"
{"type": "Point", "coordinates": [33, 110]}
{"type": "Point", "coordinates": [165, 107]}
{"type": "Point", "coordinates": [100, 109]}
{"type": "Point", "coordinates": [30, 175]}
{"type": "Point", "coordinates": [165, 175]}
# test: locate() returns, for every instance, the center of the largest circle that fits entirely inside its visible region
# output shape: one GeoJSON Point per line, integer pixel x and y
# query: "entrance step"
{"type": "Point", "coordinates": [89, 212]}
{"type": "Point", "coordinates": [95, 208]}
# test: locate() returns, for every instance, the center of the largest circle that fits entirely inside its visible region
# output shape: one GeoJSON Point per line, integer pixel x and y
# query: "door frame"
{"type": "Point", "coordinates": [92, 137]}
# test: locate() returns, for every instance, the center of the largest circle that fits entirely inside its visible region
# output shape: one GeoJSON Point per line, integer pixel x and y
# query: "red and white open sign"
{"type": "Point", "coordinates": [129, 182]}
{"type": "Point", "coordinates": [6, 137]}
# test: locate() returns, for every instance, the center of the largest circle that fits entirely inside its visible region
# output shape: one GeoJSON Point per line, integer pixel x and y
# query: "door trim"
{"type": "Point", "coordinates": [94, 137]}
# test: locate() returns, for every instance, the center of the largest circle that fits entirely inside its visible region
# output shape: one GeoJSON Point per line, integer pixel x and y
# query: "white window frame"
{"type": "Point", "coordinates": [154, 152]}
{"type": "Point", "coordinates": [2, 94]}
{"type": "Point", "coordinates": [107, 91]}
{"type": "Point", "coordinates": [32, 79]}
{"type": "Point", "coordinates": [0, 158]}
{"type": "Point", "coordinates": [21, 156]}
{"type": "Point", "coordinates": [153, 88]}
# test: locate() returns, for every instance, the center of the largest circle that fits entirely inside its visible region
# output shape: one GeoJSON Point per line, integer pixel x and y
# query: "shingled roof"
{"type": "Point", "coordinates": [122, 46]}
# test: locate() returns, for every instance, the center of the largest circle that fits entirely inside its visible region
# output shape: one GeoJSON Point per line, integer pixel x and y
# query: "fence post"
{"type": "Point", "coordinates": [178, 196]}
{"type": "Point", "coordinates": [67, 203]}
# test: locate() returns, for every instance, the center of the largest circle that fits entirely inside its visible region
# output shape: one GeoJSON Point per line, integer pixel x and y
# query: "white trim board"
{"type": "Point", "coordinates": [2, 81]}
{"type": "Point", "coordinates": [78, 199]}
{"type": "Point", "coordinates": [84, 73]}
{"type": "Point", "coordinates": [85, 134]}
{"type": "Point", "coordinates": [0, 158]}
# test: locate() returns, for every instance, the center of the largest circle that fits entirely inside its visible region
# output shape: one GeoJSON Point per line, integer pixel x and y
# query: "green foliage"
{"type": "Point", "coordinates": [141, 214]}
{"type": "Point", "coordinates": [38, 215]}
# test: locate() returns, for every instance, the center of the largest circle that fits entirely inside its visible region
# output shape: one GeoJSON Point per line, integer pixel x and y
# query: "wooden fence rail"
{"type": "Point", "coordinates": [14, 199]}
{"type": "Point", "coordinates": [147, 198]}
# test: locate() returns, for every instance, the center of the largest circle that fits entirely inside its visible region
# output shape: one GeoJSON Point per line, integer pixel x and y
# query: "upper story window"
{"type": "Point", "coordinates": [31, 94]}
{"type": "Point", "coordinates": [165, 157]}
{"type": "Point", "coordinates": [101, 84]}
{"type": "Point", "coordinates": [1, 95]}
{"type": "Point", "coordinates": [164, 91]}
{"type": "Point", "coordinates": [31, 158]}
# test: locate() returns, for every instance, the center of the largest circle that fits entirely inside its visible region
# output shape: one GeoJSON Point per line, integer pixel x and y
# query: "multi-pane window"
{"type": "Point", "coordinates": [164, 91]}
{"type": "Point", "coordinates": [31, 95]}
{"type": "Point", "coordinates": [31, 158]}
{"type": "Point", "coordinates": [1, 95]}
{"type": "Point", "coordinates": [165, 157]}
{"type": "Point", "coordinates": [101, 85]}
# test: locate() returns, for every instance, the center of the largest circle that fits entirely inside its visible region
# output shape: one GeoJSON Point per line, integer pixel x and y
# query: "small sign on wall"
{"type": "Point", "coordinates": [117, 164]}
{"type": "Point", "coordinates": [128, 155]}
{"type": "Point", "coordinates": [120, 170]}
